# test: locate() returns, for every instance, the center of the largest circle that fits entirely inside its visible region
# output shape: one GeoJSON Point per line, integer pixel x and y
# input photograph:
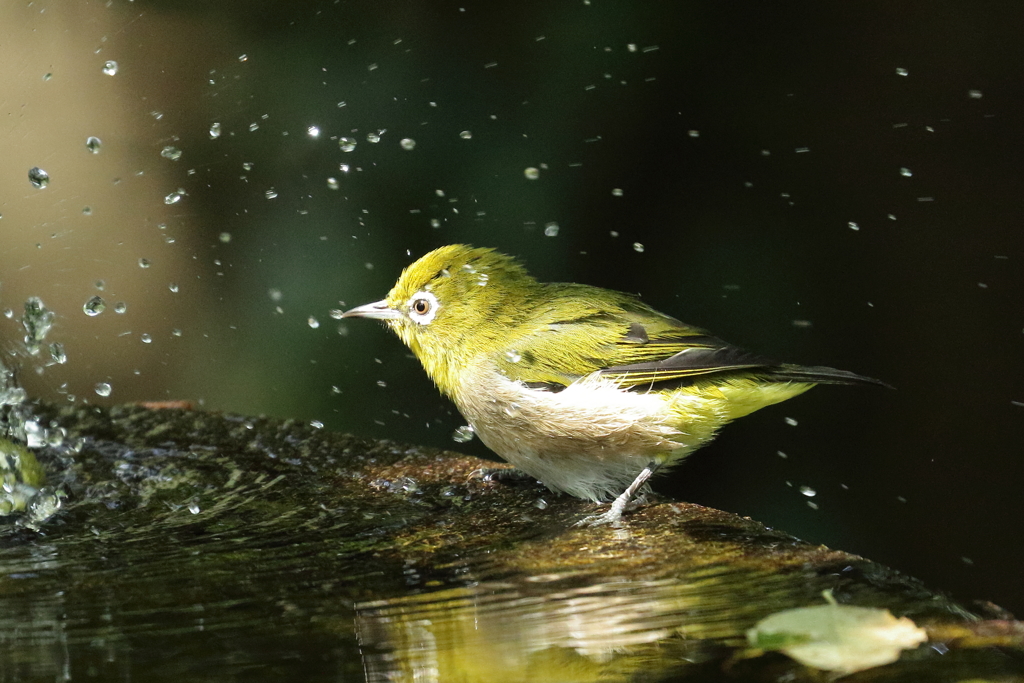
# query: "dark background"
{"type": "Point", "coordinates": [748, 142]}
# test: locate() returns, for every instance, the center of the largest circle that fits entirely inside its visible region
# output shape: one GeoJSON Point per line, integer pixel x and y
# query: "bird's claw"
{"type": "Point", "coordinates": [612, 518]}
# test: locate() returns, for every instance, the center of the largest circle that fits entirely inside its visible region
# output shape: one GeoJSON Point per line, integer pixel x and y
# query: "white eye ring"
{"type": "Point", "coordinates": [423, 307]}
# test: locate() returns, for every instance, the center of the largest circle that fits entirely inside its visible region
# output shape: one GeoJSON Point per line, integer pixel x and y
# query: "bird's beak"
{"type": "Point", "coordinates": [378, 310]}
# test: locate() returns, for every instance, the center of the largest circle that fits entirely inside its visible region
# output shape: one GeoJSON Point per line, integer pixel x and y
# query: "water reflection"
{"type": "Point", "coordinates": [572, 626]}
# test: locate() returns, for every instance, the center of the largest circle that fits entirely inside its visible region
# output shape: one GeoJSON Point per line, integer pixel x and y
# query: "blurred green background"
{"type": "Point", "coordinates": [826, 183]}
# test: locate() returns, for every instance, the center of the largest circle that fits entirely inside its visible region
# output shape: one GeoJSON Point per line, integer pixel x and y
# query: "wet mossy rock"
{"type": "Point", "coordinates": [390, 560]}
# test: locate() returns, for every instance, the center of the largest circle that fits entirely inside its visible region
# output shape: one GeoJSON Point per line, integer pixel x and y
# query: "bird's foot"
{"type": "Point", "coordinates": [613, 517]}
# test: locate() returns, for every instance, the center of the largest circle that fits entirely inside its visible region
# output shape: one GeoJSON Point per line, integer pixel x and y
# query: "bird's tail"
{"type": "Point", "coordinates": [819, 374]}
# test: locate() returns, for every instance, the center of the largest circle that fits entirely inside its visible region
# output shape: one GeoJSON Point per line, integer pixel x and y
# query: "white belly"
{"type": "Point", "coordinates": [590, 440]}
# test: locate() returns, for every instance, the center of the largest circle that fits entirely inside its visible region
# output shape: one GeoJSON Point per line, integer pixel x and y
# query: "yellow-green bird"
{"type": "Point", "coordinates": [586, 389]}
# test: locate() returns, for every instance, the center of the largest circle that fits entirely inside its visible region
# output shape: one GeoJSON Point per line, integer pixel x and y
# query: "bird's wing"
{"type": "Point", "coordinates": [622, 339]}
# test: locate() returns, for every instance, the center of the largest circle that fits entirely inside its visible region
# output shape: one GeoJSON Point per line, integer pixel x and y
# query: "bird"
{"type": "Point", "coordinates": [588, 390]}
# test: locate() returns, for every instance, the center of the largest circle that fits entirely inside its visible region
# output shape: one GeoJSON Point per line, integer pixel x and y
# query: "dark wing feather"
{"type": "Point", "coordinates": [685, 359]}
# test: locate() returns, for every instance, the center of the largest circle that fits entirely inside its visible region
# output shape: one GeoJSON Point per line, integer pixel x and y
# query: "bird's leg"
{"type": "Point", "coordinates": [614, 514]}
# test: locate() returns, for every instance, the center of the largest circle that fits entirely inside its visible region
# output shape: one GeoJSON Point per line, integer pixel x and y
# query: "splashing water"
{"type": "Point", "coordinates": [38, 177]}
{"type": "Point", "coordinates": [463, 434]}
{"type": "Point", "coordinates": [37, 321]}
{"type": "Point", "coordinates": [94, 306]}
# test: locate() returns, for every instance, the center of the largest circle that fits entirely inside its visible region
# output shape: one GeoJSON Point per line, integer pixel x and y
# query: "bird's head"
{"type": "Point", "coordinates": [452, 305]}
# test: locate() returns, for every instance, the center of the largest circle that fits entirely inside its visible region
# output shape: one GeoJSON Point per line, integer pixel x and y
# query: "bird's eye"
{"type": "Point", "coordinates": [423, 307]}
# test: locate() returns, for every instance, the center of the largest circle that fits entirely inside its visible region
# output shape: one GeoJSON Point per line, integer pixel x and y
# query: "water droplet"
{"type": "Point", "coordinates": [47, 76]}
{"type": "Point", "coordinates": [146, 339]}
{"type": "Point", "coordinates": [344, 168]}
{"type": "Point", "coordinates": [271, 194]}
{"type": "Point", "coordinates": [38, 177]}
{"type": "Point", "coordinates": [808, 491]}
{"type": "Point", "coordinates": [313, 322]}
{"type": "Point", "coordinates": [408, 144]}
{"type": "Point", "coordinates": [110, 67]}
{"type": "Point", "coordinates": [638, 247]}
{"type": "Point", "coordinates": [373, 137]}
{"type": "Point", "coordinates": [58, 354]}
{"type": "Point", "coordinates": [93, 144]}
{"type": "Point", "coordinates": [791, 421]}
{"type": "Point", "coordinates": [693, 133]}
{"type": "Point", "coordinates": [332, 183]}
{"type": "Point", "coordinates": [906, 172]}
{"type": "Point", "coordinates": [316, 424]}
{"type": "Point", "coordinates": [247, 165]}
{"type": "Point", "coordinates": [463, 434]}
{"type": "Point", "coordinates": [974, 94]}
{"type": "Point", "coordinates": [37, 321]}
{"type": "Point", "coordinates": [781, 455]}
{"type": "Point", "coordinates": [173, 286]}
{"type": "Point", "coordinates": [540, 504]}
{"type": "Point", "coordinates": [214, 130]}
{"type": "Point", "coordinates": [176, 332]}
{"type": "Point", "coordinates": [120, 307]}
{"type": "Point", "coordinates": [347, 144]}
{"type": "Point", "coordinates": [253, 127]}
{"type": "Point", "coordinates": [466, 135]}
{"type": "Point", "coordinates": [513, 356]}
{"type": "Point", "coordinates": [86, 210]}
{"type": "Point", "coordinates": [174, 197]}
{"type": "Point", "coordinates": [900, 71]}
{"type": "Point", "coordinates": [103, 389]}
{"type": "Point", "coordinates": [852, 226]}
{"type": "Point", "coordinates": [94, 306]}
{"type": "Point", "coordinates": [225, 237]}
{"type": "Point", "coordinates": [382, 384]}
{"type": "Point", "coordinates": [313, 131]}
{"type": "Point", "coordinates": [551, 229]}
{"type": "Point", "coordinates": [531, 173]}
{"type": "Point", "coordinates": [144, 263]}
{"type": "Point", "coordinates": [172, 153]}
{"type": "Point", "coordinates": [617, 192]}
{"type": "Point", "coordinates": [631, 47]}
{"type": "Point", "coordinates": [435, 223]}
